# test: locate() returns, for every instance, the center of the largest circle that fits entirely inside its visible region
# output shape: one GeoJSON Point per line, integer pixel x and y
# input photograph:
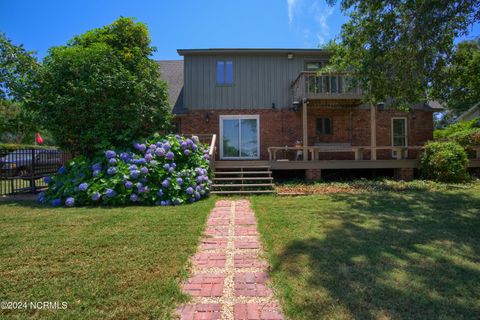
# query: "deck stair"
{"type": "Point", "coordinates": [243, 180]}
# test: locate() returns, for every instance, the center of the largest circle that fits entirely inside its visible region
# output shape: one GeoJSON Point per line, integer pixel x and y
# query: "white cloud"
{"type": "Point", "coordinates": [321, 15]}
{"type": "Point", "coordinates": [291, 7]}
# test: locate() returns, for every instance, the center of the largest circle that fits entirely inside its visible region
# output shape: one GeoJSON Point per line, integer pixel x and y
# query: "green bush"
{"type": "Point", "coordinates": [465, 133]}
{"type": "Point", "coordinates": [169, 170]}
{"type": "Point", "coordinates": [444, 161]}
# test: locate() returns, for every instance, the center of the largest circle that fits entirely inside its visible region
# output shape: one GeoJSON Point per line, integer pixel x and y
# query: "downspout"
{"type": "Point", "coordinates": [305, 129]}
{"type": "Point", "coordinates": [373, 131]}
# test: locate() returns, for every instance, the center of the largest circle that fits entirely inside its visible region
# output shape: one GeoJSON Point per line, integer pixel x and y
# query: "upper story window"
{"type": "Point", "coordinates": [324, 126]}
{"type": "Point", "coordinates": [224, 72]}
{"type": "Point", "coordinates": [313, 65]}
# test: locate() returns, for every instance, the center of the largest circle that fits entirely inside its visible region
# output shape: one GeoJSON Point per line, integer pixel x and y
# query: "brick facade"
{"type": "Point", "coordinates": [280, 127]}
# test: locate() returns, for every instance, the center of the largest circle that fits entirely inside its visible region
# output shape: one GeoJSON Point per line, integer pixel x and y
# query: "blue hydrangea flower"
{"type": "Point", "coordinates": [133, 197]}
{"type": "Point", "coordinates": [173, 165]}
{"type": "Point", "coordinates": [96, 196]}
{"type": "Point", "coordinates": [96, 167]}
{"type": "Point", "coordinates": [191, 200]}
{"type": "Point", "coordinates": [140, 147]}
{"type": "Point", "coordinates": [56, 202]}
{"type": "Point", "coordinates": [167, 146]}
{"type": "Point", "coordinates": [110, 154]}
{"type": "Point", "coordinates": [139, 185]}
{"type": "Point", "coordinates": [197, 195]}
{"type": "Point", "coordinates": [189, 190]}
{"type": "Point", "coordinates": [83, 186]}
{"type": "Point", "coordinates": [160, 192]}
{"type": "Point", "coordinates": [176, 202]}
{"type": "Point", "coordinates": [194, 147]}
{"type": "Point", "coordinates": [160, 152]}
{"type": "Point", "coordinates": [166, 166]}
{"type": "Point", "coordinates": [128, 184]}
{"type": "Point", "coordinates": [207, 157]}
{"type": "Point", "coordinates": [171, 170]}
{"type": "Point", "coordinates": [189, 142]}
{"type": "Point", "coordinates": [170, 155]}
{"type": "Point", "coordinates": [134, 174]}
{"type": "Point", "coordinates": [132, 167]}
{"type": "Point", "coordinates": [163, 203]}
{"type": "Point", "coordinates": [152, 146]}
{"type": "Point", "coordinates": [148, 157]}
{"type": "Point", "coordinates": [202, 192]}
{"type": "Point", "coordinates": [144, 170]}
{"type": "Point", "coordinates": [47, 179]}
{"type": "Point", "coordinates": [112, 170]}
{"type": "Point", "coordinates": [186, 152]}
{"type": "Point", "coordinates": [70, 202]}
{"type": "Point", "coordinates": [199, 179]}
{"type": "Point", "coordinates": [180, 181]}
{"type": "Point", "coordinates": [110, 193]}
{"type": "Point", "coordinates": [96, 173]}
{"type": "Point", "coordinates": [124, 156]}
{"type": "Point", "coordinates": [141, 161]}
{"type": "Point", "coordinates": [159, 144]}
{"type": "Point", "coordinates": [41, 197]}
{"type": "Point", "coordinates": [62, 170]}
{"type": "Point", "coordinates": [165, 183]}
{"type": "Point", "coordinates": [112, 161]}
{"type": "Point", "coordinates": [145, 189]}
{"type": "Point", "coordinates": [184, 144]}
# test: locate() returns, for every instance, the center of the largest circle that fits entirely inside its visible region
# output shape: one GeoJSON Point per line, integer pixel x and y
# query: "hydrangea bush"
{"type": "Point", "coordinates": [169, 170]}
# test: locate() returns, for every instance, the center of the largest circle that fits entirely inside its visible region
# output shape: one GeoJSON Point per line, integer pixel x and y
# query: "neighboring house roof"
{"type": "Point", "coordinates": [250, 51]}
{"type": "Point", "coordinates": [469, 114]}
{"type": "Point", "coordinates": [172, 72]}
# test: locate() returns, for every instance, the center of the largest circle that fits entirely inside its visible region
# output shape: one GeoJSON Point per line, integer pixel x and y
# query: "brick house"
{"type": "Point", "coordinates": [271, 107]}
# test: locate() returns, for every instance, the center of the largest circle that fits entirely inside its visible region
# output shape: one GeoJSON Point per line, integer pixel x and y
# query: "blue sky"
{"type": "Point", "coordinates": [178, 24]}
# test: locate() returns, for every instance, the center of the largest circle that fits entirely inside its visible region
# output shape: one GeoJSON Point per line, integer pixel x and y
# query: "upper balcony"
{"type": "Point", "coordinates": [327, 86]}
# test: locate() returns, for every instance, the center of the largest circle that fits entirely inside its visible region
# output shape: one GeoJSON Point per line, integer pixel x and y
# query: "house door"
{"type": "Point", "coordinates": [239, 137]}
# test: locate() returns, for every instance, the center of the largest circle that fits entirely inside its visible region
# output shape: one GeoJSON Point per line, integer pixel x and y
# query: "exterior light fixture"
{"type": "Point", "coordinates": [273, 105]}
{"type": "Point", "coordinates": [207, 117]}
{"type": "Point", "coordinates": [290, 56]}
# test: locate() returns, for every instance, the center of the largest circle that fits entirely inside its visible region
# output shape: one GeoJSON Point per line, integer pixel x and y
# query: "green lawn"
{"type": "Point", "coordinates": [375, 255]}
{"type": "Point", "coordinates": [106, 263]}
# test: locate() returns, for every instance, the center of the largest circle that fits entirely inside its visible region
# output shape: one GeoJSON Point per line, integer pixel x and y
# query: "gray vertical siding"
{"type": "Point", "coordinates": [258, 81]}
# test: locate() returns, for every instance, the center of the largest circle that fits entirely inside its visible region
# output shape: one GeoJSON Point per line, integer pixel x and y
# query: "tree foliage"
{"type": "Point", "coordinates": [399, 48]}
{"type": "Point", "coordinates": [460, 87]}
{"type": "Point", "coordinates": [102, 90]}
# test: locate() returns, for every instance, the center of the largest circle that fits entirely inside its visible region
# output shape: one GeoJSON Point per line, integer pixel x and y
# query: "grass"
{"type": "Point", "coordinates": [375, 255]}
{"type": "Point", "coordinates": [106, 263]}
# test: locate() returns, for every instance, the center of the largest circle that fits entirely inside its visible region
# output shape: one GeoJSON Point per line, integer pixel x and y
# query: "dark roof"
{"type": "Point", "coordinates": [250, 51]}
{"type": "Point", "coordinates": [172, 72]}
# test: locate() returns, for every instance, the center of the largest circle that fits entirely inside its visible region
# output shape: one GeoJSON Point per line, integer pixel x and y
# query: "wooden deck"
{"type": "Point", "coordinates": [329, 164]}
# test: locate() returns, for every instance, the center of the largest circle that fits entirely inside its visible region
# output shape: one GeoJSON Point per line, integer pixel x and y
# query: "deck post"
{"type": "Point", "coordinates": [373, 132]}
{"type": "Point", "coordinates": [305, 129]}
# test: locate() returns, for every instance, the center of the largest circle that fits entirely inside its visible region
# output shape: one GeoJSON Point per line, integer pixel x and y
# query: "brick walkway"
{"type": "Point", "coordinates": [229, 280]}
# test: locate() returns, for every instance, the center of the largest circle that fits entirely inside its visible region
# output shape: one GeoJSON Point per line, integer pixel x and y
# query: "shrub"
{"type": "Point", "coordinates": [444, 161]}
{"type": "Point", "coordinates": [465, 133]}
{"type": "Point", "coordinates": [169, 170]}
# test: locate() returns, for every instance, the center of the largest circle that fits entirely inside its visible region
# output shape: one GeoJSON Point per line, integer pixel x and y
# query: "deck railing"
{"type": "Point", "coordinates": [209, 139]}
{"type": "Point", "coordinates": [314, 85]}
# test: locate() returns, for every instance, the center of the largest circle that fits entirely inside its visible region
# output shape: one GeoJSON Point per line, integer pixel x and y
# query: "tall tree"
{"type": "Point", "coordinates": [102, 89]}
{"type": "Point", "coordinates": [460, 87]}
{"type": "Point", "coordinates": [398, 48]}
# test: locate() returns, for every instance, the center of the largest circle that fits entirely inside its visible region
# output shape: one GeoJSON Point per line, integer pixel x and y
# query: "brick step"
{"type": "Point", "coordinates": [242, 172]}
{"type": "Point", "coordinates": [243, 185]}
{"type": "Point", "coordinates": [241, 191]}
{"type": "Point", "coordinates": [242, 178]}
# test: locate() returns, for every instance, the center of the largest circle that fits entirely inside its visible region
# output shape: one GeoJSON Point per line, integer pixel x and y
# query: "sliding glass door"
{"type": "Point", "coordinates": [239, 137]}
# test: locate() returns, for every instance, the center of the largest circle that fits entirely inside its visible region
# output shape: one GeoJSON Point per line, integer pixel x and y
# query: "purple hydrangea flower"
{"type": "Point", "coordinates": [163, 203]}
{"type": "Point", "coordinates": [166, 166]}
{"type": "Point", "coordinates": [140, 147]}
{"type": "Point", "coordinates": [207, 157]}
{"type": "Point", "coordinates": [180, 181]}
{"type": "Point", "coordinates": [148, 157]}
{"type": "Point", "coordinates": [186, 152]}
{"type": "Point", "coordinates": [170, 155]}
{"type": "Point", "coordinates": [110, 154]}
{"type": "Point", "coordinates": [199, 179]}
{"type": "Point", "coordinates": [144, 170]}
{"type": "Point", "coordinates": [197, 195]}
{"type": "Point", "coordinates": [96, 196]}
{"type": "Point", "coordinates": [112, 161]}
{"type": "Point", "coordinates": [83, 186]}
{"type": "Point", "coordinates": [166, 146]}
{"type": "Point", "coordinates": [159, 144]}
{"type": "Point", "coordinates": [189, 190]}
{"type": "Point", "coordinates": [128, 184]}
{"type": "Point", "coordinates": [140, 161]}
{"type": "Point", "coordinates": [173, 165]}
{"type": "Point", "coordinates": [133, 197]}
{"type": "Point", "coordinates": [56, 202]}
{"type": "Point", "coordinates": [47, 179]}
{"type": "Point", "coordinates": [124, 156]}
{"type": "Point", "coordinates": [145, 189]}
{"type": "Point", "coordinates": [110, 193]}
{"type": "Point", "coordinates": [189, 142]}
{"type": "Point", "coordinates": [96, 173]}
{"type": "Point", "coordinates": [134, 174]}
{"type": "Point", "coordinates": [96, 167]}
{"type": "Point", "coordinates": [112, 170]}
{"type": "Point", "coordinates": [160, 152]}
{"type": "Point", "coordinates": [165, 183]}
{"type": "Point", "coordinates": [184, 144]}
{"type": "Point", "coordinates": [194, 147]}
{"type": "Point", "coordinates": [171, 170]}
{"type": "Point", "coordinates": [152, 146]}
{"type": "Point", "coordinates": [132, 167]}
{"type": "Point", "coordinates": [160, 192]}
{"type": "Point", "coordinates": [70, 202]}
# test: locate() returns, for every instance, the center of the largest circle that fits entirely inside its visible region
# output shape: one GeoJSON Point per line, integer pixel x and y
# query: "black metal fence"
{"type": "Point", "coordinates": [23, 170]}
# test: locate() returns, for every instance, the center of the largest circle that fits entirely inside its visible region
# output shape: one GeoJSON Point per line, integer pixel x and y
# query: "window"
{"type": "Point", "coordinates": [225, 72]}
{"type": "Point", "coordinates": [399, 135]}
{"type": "Point", "coordinates": [324, 126]}
{"type": "Point", "coordinates": [239, 137]}
{"type": "Point", "coordinates": [313, 66]}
